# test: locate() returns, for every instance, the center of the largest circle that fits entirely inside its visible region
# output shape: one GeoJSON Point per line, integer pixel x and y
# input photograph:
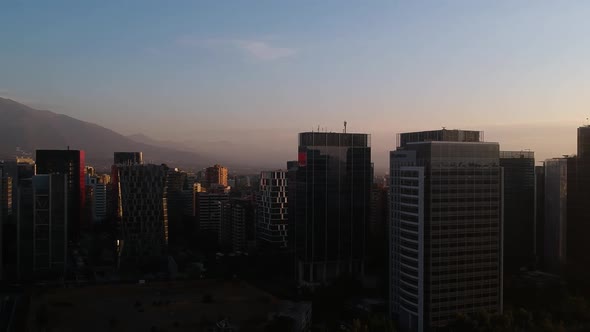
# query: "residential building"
{"type": "Point", "coordinates": [272, 208]}
{"type": "Point", "coordinates": [209, 213]}
{"type": "Point", "coordinates": [98, 186]}
{"type": "Point", "coordinates": [238, 225]}
{"type": "Point", "coordinates": [216, 175]}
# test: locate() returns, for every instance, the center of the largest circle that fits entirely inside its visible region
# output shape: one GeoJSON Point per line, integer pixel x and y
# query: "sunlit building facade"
{"type": "Point", "coordinates": [445, 229]}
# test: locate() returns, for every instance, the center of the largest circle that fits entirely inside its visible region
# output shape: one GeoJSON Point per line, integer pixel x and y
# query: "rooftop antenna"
{"type": "Point", "coordinates": [345, 127]}
{"type": "Point", "coordinates": [318, 128]}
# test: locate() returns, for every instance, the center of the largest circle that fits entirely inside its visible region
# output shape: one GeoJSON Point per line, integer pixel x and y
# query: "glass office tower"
{"type": "Point", "coordinates": [519, 209]}
{"type": "Point", "coordinates": [70, 163]}
{"type": "Point", "coordinates": [332, 189]}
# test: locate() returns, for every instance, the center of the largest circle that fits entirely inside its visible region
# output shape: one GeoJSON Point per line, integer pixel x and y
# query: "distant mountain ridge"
{"type": "Point", "coordinates": [32, 129]}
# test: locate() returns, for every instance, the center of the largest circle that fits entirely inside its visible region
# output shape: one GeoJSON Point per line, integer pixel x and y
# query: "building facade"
{"type": "Point", "coordinates": [128, 158]}
{"type": "Point", "coordinates": [209, 212]}
{"type": "Point", "coordinates": [216, 175]}
{"type": "Point", "coordinates": [42, 227]}
{"type": "Point", "coordinates": [519, 209]}
{"type": "Point", "coordinates": [272, 208]}
{"type": "Point", "coordinates": [556, 207]}
{"type": "Point", "coordinates": [567, 211]}
{"type": "Point", "coordinates": [142, 212]}
{"type": "Point", "coordinates": [445, 230]}
{"type": "Point", "coordinates": [238, 225]}
{"type": "Point", "coordinates": [98, 200]}
{"type": "Point", "coordinates": [329, 224]}
{"type": "Point", "coordinates": [72, 164]}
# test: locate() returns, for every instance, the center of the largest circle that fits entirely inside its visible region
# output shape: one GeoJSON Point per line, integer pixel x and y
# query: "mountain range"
{"type": "Point", "coordinates": [29, 129]}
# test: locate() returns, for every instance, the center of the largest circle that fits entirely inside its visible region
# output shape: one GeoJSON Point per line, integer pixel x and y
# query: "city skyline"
{"type": "Point", "coordinates": [515, 70]}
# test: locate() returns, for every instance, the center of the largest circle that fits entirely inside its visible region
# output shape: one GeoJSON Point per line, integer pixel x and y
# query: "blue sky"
{"type": "Point", "coordinates": [243, 71]}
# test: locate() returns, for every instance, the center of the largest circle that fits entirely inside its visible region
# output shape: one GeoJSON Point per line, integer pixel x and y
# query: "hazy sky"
{"type": "Point", "coordinates": [255, 73]}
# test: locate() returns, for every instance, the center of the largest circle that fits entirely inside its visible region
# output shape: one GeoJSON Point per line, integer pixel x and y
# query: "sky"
{"type": "Point", "coordinates": [247, 76]}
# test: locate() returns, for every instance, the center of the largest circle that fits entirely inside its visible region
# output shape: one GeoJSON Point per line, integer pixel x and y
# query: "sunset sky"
{"type": "Point", "coordinates": [249, 75]}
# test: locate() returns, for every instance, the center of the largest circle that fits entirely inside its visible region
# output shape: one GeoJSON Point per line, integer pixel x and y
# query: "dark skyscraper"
{"type": "Point", "coordinates": [578, 213]}
{"type": "Point", "coordinates": [446, 229]}
{"type": "Point", "coordinates": [567, 211]}
{"type": "Point", "coordinates": [329, 223]}
{"type": "Point", "coordinates": [209, 216]}
{"type": "Point", "coordinates": [557, 177]}
{"type": "Point", "coordinates": [238, 225]}
{"type": "Point", "coordinates": [584, 142]}
{"type": "Point", "coordinates": [519, 209]}
{"type": "Point", "coordinates": [539, 214]}
{"type": "Point", "coordinates": [142, 212]}
{"type": "Point", "coordinates": [70, 163]}
{"type": "Point", "coordinates": [42, 220]}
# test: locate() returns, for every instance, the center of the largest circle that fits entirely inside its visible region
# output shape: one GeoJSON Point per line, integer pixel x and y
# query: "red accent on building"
{"type": "Point", "coordinates": [302, 159]}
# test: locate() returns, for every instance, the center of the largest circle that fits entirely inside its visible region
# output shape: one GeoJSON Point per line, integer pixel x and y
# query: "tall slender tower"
{"type": "Point", "coordinates": [446, 228]}
{"type": "Point", "coordinates": [42, 227]}
{"type": "Point", "coordinates": [329, 223]}
{"type": "Point", "coordinates": [519, 209]}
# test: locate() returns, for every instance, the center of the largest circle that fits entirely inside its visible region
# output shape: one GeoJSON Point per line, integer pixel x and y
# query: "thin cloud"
{"type": "Point", "coordinates": [263, 50]}
{"type": "Point", "coordinates": [257, 49]}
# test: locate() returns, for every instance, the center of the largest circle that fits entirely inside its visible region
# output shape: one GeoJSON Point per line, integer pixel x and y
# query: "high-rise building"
{"type": "Point", "coordinates": [216, 175]}
{"type": "Point", "coordinates": [177, 181]}
{"type": "Point", "coordinates": [329, 221]}
{"type": "Point", "coordinates": [70, 163]}
{"type": "Point", "coordinates": [238, 225]}
{"type": "Point", "coordinates": [519, 209]}
{"type": "Point", "coordinates": [142, 212]}
{"type": "Point", "coordinates": [539, 215]}
{"type": "Point", "coordinates": [209, 213]}
{"type": "Point", "coordinates": [377, 236]}
{"type": "Point", "coordinates": [567, 211]}
{"type": "Point", "coordinates": [42, 222]}
{"type": "Point", "coordinates": [128, 158]}
{"type": "Point", "coordinates": [18, 168]}
{"type": "Point", "coordinates": [272, 208]}
{"type": "Point", "coordinates": [578, 214]}
{"type": "Point", "coordinates": [584, 142]}
{"type": "Point", "coordinates": [556, 203]}
{"type": "Point", "coordinates": [445, 229]}
{"type": "Point", "coordinates": [3, 217]}
{"type": "Point", "coordinates": [13, 171]}
{"type": "Point", "coordinates": [99, 187]}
